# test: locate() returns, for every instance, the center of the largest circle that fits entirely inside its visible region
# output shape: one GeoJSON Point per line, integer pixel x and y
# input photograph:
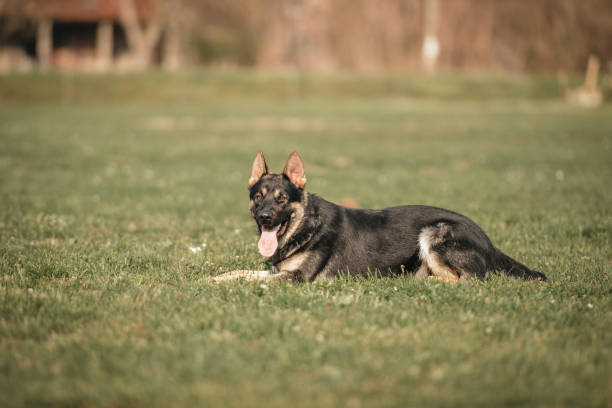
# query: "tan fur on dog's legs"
{"type": "Point", "coordinates": [423, 272]}
{"type": "Point", "coordinates": [251, 276]}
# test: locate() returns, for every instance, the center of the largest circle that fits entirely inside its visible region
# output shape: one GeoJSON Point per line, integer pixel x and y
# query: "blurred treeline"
{"type": "Point", "coordinates": [508, 35]}
{"type": "Point", "coordinates": [504, 35]}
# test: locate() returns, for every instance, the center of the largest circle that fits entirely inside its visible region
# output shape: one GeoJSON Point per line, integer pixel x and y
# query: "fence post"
{"type": "Point", "coordinates": [44, 43]}
{"type": "Point", "coordinates": [104, 45]}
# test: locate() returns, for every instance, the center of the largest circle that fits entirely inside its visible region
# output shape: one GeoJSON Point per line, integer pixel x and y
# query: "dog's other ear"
{"type": "Point", "coordinates": [294, 170]}
{"type": "Point", "coordinates": [260, 168]}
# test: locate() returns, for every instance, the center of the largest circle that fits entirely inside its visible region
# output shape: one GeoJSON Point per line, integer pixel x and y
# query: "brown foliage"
{"type": "Point", "coordinates": [538, 35]}
{"type": "Point", "coordinates": [508, 35]}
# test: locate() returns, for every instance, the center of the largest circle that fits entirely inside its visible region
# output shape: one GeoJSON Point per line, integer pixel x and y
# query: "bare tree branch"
{"type": "Point", "coordinates": [129, 20]}
{"type": "Point", "coordinates": [141, 40]}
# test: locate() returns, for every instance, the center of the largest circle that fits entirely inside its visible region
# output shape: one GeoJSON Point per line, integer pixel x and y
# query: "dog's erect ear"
{"type": "Point", "coordinates": [260, 168]}
{"type": "Point", "coordinates": [294, 169]}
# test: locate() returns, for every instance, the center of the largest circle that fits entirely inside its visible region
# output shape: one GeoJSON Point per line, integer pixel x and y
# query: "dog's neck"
{"type": "Point", "coordinates": [300, 230]}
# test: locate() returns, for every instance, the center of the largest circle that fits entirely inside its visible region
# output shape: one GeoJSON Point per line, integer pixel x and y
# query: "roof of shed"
{"type": "Point", "coordinates": [73, 10]}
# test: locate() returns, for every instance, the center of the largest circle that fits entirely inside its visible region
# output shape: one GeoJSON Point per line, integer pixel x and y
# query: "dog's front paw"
{"type": "Point", "coordinates": [241, 274]}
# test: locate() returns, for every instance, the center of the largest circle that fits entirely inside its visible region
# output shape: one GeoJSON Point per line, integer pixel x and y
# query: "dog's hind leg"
{"type": "Point", "coordinates": [444, 251]}
{"type": "Point", "coordinates": [470, 263]}
{"type": "Point", "coordinates": [442, 272]}
{"type": "Point", "coordinates": [432, 262]}
{"type": "Point", "coordinates": [423, 272]}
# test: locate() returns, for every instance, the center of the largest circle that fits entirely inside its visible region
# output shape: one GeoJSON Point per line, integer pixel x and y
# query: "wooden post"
{"type": "Point", "coordinates": [431, 45]}
{"type": "Point", "coordinates": [589, 95]}
{"type": "Point", "coordinates": [104, 45]}
{"type": "Point", "coordinates": [592, 72]}
{"type": "Point", "coordinates": [44, 43]}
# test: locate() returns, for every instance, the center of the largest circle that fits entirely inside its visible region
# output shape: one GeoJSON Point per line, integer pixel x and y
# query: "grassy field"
{"type": "Point", "coordinates": [106, 183]}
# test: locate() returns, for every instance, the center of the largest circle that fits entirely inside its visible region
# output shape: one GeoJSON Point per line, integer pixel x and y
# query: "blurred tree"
{"type": "Point", "coordinates": [142, 38]}
{"type": "Point", "coordinates": [509, 35]}
{"type": "Point", "coordinates": [166, 28]}
{"type": "Point", "coordinates": [172, 58]}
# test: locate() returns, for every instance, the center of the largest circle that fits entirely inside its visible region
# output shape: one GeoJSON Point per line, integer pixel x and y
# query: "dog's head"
{"type": "Point", "coordinates": [276, 200]}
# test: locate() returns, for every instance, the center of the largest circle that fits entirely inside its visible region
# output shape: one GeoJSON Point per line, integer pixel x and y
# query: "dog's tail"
{"type": "Point", "coordinates": [514, 268]}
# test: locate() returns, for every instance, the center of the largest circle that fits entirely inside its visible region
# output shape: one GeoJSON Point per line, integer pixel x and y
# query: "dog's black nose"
{"type": "Point", "coordinates": [265, 217]}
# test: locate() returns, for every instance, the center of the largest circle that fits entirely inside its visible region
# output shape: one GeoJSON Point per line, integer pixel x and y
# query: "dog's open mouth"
{"type": "Point", "coordinates": [268, 241]}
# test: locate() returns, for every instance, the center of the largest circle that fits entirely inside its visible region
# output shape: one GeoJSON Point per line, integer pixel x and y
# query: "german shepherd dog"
{"type": "Point", "coordinates": [307, 238]}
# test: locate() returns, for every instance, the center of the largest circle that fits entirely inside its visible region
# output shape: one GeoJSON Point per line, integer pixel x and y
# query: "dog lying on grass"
{"type": "Point", "coordinates": [307, 238]}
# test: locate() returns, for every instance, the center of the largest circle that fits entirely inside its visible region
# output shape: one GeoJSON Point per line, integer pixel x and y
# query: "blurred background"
{"type": "Point", "coordinates": [546, 36]}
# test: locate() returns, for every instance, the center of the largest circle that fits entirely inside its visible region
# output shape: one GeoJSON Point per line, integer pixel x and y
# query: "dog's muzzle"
{"type": "Point", "coordinates": [265, 218]}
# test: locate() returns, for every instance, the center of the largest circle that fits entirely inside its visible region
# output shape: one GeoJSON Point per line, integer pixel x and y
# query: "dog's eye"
{"type": "Point", "coordinates": [281, 198]}
{"type": "Point", "coordinates": [258, 197]}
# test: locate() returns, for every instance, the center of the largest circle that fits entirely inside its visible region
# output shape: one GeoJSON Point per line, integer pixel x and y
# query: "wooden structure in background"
{"type": "Point", "coordinates": [589, 95]}
{"type": "Point", "coordinates": [92, 34]}
{"type": "Point", "coordinates": [409, 35]}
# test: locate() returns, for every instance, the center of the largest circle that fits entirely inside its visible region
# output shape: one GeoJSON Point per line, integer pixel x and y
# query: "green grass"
{"type": "Point", "coordinates": [103, 192]}
{"type": "Point", "coordinates": [195, 86]}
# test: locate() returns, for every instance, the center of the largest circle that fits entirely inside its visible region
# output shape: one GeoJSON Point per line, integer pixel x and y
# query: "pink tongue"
{"type": "Point", "coordinates": [267, 242]}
